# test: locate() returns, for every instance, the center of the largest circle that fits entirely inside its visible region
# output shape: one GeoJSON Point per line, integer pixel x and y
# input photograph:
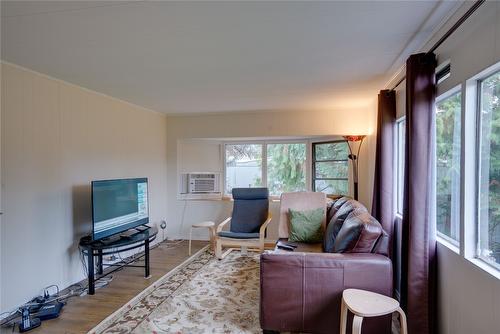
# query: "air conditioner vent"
{"type": "Point", "coordinates": [200, 183]}
{"type": "Point", "coordinates": [202, 176]}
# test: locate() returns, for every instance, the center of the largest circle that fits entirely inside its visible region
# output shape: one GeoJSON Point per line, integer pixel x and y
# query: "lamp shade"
{"type": "Point", "coordinates": [354, 137]}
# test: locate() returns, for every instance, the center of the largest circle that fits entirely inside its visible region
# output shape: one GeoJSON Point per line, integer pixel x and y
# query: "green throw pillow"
{"type": "Point", "coordinates": [305, 226]}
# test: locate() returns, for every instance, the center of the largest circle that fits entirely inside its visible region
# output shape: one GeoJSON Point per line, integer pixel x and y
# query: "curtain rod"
{"type": "Point", "coordinates": [457, 24]}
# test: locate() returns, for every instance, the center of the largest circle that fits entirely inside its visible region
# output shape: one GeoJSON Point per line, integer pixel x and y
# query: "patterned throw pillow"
{"type": "Point", "coordinates": [305, 226]}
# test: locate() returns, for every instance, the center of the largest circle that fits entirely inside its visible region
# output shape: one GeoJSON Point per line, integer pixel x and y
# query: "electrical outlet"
{"type": "Point", "coordinates": [163, 224]}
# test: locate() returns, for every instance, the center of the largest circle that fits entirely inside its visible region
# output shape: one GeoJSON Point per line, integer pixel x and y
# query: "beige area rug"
{"type": "Point", "coordinates": [202, 295]}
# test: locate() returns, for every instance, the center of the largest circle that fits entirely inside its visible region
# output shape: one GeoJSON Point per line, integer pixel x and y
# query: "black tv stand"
{"type": "Point", "coordinates": [110, 240]}
{"type": "Point", "coordinates": [99, 248]}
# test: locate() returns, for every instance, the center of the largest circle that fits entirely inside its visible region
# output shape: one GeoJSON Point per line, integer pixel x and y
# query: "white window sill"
{"type": "Point", "coordinates": [485, 267]}
{"type": "Point", "coordinates": [448, 244]}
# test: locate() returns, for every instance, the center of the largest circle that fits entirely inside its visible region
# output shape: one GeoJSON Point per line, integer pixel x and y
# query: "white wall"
{"type": "Point", "coordinates": [181, 214]}
{"type": "Point", "coordinates": [469, 298]}
{"type": "Point", "coordinates": [56, 138]}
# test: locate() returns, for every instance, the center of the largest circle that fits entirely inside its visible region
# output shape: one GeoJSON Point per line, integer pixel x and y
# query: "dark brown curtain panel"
{"type": "Point", "coordinates": [383, 190]}
{"type": "Point", "coordinates": [418, 277]}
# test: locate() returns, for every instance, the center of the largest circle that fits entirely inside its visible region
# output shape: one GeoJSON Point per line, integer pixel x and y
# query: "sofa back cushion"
{"type": "Point", "coordinates": [359, 233]}
{"type": "Point", "coordinates": [345, 210]}
{"type": "Point", "coordinates": [382, 245]}
{"type": "Point", "coordinates": [334, 207]}
{"type": "Point", "coordinates": [342, 208]}
{"type": "Point", "coordinates": [331, 233]}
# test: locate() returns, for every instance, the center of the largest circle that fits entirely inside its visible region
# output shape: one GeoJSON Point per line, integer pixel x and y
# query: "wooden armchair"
{"type": "Point", "coordinates": [248, 222]}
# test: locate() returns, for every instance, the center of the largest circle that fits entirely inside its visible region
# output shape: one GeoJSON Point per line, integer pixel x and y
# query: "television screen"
{"type": "Point", "coordinates": [118, 205]}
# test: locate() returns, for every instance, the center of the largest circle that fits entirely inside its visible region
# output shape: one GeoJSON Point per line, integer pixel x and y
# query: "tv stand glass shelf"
{"type": "Point", "coordinates": [99, 248]}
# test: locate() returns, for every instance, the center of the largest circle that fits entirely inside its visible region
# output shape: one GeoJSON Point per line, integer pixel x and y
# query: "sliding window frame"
{"type": "Point", "coordinates": [314, 161]}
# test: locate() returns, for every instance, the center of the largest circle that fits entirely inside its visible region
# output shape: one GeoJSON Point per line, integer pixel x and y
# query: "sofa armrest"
{"type": "Point", "coordinates": [302, 291]}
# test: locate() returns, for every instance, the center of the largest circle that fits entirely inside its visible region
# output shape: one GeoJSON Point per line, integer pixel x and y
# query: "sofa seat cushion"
{"type": "Point", "coordinates": [359, 233]}
{"type": "Point", "coordinates": [305, 247]}
{"type": "Point", "coordinates": [238, 235]}
{"type": "Point", "coordinates": [309, 248]}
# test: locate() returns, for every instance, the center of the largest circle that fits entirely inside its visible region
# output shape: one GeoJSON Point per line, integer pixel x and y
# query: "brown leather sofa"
{"type": "Point", "coordinates": [301, 291]}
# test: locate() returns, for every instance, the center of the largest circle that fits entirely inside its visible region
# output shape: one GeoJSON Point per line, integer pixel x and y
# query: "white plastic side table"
{"type": "Point", "coordinates": [367, 304]}
{"type": "Point", "coordinates": [211, 231]}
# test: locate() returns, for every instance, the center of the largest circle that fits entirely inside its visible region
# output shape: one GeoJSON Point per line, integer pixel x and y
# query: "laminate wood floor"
{"type": "Point", "coordinates": [83, 313]}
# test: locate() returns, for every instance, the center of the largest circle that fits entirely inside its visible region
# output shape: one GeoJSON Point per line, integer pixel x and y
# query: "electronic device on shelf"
{"type": "Point", "coordinates": [49, 310]}
{"type": "Point", "coordinates": [27, 322]}
{"type": "Point", "coordinates": [143, 228]}
{"type": "Point", "coordinates": [133, 231]}
{"type": "Point", "coordinates": [118, 206]}
{"type": "Point", "coordinates": [286, 246]}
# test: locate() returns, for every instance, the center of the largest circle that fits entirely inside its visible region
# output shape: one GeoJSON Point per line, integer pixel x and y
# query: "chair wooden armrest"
{"type": "Point", "coordinates": [221, 225]}
{"type": "Point", "coordinates": [262, 230]}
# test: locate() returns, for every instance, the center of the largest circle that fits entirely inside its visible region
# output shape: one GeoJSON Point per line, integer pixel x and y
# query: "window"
{"type": "Point", "coordinates": [489, 169]}
{"type": "Point", "coordinates": [467, 169]}
{"type": "Point", "coordinates": [448, 151]}
{"type": "Point", "coordinates": [286, 167]}
{"type": "Point", "coordinates": [243, 166]}
{"type": "Point", "coordinates": [400, 164]}
{"type": "Point", "coordinates": [331, 167]}
{"type": "Point", "coordinates": [282, 167]}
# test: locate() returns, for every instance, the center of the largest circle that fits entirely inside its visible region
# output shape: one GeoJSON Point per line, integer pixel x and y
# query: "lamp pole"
{"type": "Point", "coordinates": [354, 159]}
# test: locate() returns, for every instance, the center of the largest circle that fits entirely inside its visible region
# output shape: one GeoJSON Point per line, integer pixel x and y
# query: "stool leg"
{"type": "Point", "coordinates": [190, 237]}
{"type": "Point", "coordinates": [343, 318]}
{"type": "Point", "coordinates": [402, 320]}
{"type": "Point", "coordinates": [356, 324]}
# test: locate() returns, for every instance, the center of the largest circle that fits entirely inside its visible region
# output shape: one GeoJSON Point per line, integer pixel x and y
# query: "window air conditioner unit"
{"type": "Point", "coordinates": [200, 183]}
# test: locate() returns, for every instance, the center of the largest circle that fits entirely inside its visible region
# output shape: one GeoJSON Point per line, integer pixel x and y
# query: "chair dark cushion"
{"type": "Point", "coordinates": [358, 234]}
{"type": "Point", "coordinates": [250, 210]}
{"type": "Point", "coordinates": [250, 193]}
{"type": "Point", "coordinates": [235, 235]}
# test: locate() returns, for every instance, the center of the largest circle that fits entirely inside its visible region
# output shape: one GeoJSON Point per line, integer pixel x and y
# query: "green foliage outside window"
{"type": "Point", "coordinates": [489, 187]}
{"type": "Point", "coordinates": [331, 170]}
{"type": "Point", "coordinates": [448, 135]}
{"type": "Point", "coordinates": [286, 168]}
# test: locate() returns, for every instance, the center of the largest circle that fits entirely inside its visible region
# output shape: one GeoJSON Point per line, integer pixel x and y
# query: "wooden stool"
{"type": "Point", "coordinates": [367, 304]}
{"type": "Point", "coordinates": [211, 231]}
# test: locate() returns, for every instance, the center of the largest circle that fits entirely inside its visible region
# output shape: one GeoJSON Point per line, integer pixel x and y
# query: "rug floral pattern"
{"type": "Point", "coordinates": [204, 295]}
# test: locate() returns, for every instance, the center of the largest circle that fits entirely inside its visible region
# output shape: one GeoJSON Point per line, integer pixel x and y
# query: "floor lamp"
{"type": "Point", "coordinates": [351, 142]}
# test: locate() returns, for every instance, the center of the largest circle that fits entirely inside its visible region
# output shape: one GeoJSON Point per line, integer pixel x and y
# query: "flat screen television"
{"type": "Point", "coordinates": [118, 205]}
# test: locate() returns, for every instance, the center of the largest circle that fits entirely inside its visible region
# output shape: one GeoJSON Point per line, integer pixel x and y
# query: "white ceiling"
{"type": "Point", "coordinates": [182, 57]}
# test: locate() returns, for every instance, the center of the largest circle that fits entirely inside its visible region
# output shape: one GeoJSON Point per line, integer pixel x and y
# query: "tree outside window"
{"type": "Point", "coordinates": [331, 167]}
{"type": "Point", "coordinates": [286, 168]}
{"type": "Point", "coordinates": [448, 138]}
{"type": "Point", "coordinates": [489, 171]}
